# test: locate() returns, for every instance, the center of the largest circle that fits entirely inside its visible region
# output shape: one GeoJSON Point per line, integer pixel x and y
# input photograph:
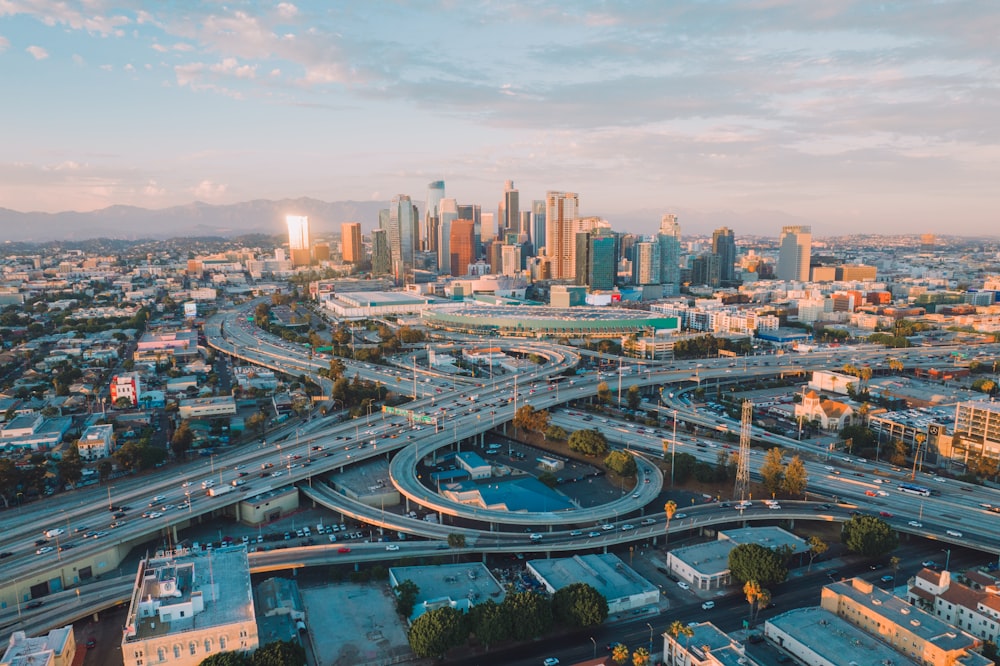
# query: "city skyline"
{"type": "Point", "coordinates": [845, 118]}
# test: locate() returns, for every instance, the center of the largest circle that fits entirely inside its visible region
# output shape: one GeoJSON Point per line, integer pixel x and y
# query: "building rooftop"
{"type": "Point", "coordinates": [470, 581]}
{"type": "Point", "coordinates": [836, 640]}
{"type": "Point", "coordinates": [769, 536]}
{"type": "Point", "coordinates": [897, 611]}
{"type": "Point", "coordinates": [605, 572]}
{"type": "Point", "coordinates": [190, 590]}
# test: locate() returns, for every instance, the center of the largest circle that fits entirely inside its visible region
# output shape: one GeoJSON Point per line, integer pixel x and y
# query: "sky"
{"type": "Point", "coordinates": [852, 117]}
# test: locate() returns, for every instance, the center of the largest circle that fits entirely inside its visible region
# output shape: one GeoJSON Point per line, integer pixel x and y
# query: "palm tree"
{"type": "Point", "coordinates": [670, 508]}
{"type": "Point", "coordinates": [619, 653]}
{"type": "Point", "coordinates": [640, 657]}
{"type": "Point", "coordinates": [752, 590]}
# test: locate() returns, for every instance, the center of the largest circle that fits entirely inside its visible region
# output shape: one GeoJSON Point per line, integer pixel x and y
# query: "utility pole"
{"type": "Point", "coordinates": [742, 488]}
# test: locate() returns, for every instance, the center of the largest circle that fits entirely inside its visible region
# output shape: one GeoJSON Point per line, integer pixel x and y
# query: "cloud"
{"type": "Point", "coordinates": [4, 43]}
{"type": "Point", "coordinates": [287, 10]}
{"type": "Point", "coordinates": [37, 52]}
{"type": "Point", "coordinates": [206, 190]}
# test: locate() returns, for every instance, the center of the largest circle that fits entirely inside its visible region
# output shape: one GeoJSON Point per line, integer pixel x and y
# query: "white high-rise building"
{"type": "Point", "coordinates": [646, 266]}
{"type": "Point", "coordinates": [298, 239]}
{"type": "Point", "coordinates": [561, 209]}
{"type": "Point", "coordinates": [794, 253]}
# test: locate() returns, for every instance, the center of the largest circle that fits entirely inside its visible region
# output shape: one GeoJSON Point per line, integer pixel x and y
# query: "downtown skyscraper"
{"type": "Point", "coordinates": [794, 253]}
{"type": "Point", "coordinates": [298, 239]}
{"type": "Point", "coordinates": [351, 249]}
{"type": "Point", "coordinates": [510, 215]}
{"type": "Point", "coordinates": [561, 208]}
{"type": "Point", "coordinates": [435, 193]}
{"type": "Point", "coordinates": [401, 225]}
{"type": "Point", "coordinates": [724, 245]}
{"type": "Point", "coordinates": [669, 240]}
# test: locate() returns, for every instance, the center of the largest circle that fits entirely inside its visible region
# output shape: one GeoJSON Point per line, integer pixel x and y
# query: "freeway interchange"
{"type": "Point", "coordinates": [88, 547]}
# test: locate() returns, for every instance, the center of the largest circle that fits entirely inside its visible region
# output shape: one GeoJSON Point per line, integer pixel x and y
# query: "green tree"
{"type": "Point", "coordinates": [620, 462]}
{"type": "Point", "coordinates": [531, 614]}
{"type": "Point", "coordinates": [71, 466]}
{"type": "Point", "coordinates": [588, 442]}
{"type": "Point", "coordinates": [795, 477]}
{"type": "Point", "coordinates": [10, 479]}
{"type": "Point", "coordinates": [181, 441]}
{"type": "Point", "coordinates": [406, 596]}
{"type": "Point", "coordinates": [555, 432]}
{"type": "Point", "coordinates": [104, 469]}
{"type": "Point", "coordinates": [633, 397]}
{"type": "Point", "coordinates": [279, 653]}
{"type": "Point", "coordinates": [579, 605]}
{"type": "Point", "coordinates": [751, 561]}
{"type": "Point", "coordinates": [816, 548]}
{"type": "Point", "coordinates": [490, 623]}
{"type": "Point", "coordinates": [257, 421]}
{"type": "Point", "coordinates": [456, 540]}
{"type": "Point", "coordinates": [437, 631]}
{"type": "Point", "coordinates": [869, 536]}
{"type": "Point", "coordinates": [226, 659]}
{"type": "Point", "coordinates": [603, 393]}
{"type": "Point", "coordinates": [772, 470]}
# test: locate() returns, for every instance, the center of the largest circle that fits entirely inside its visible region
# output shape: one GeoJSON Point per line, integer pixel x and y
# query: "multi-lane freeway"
{"type": "Point", "coordinates": [85, 545]}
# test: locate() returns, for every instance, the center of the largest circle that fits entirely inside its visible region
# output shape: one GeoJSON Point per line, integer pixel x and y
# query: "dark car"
{"type": "Point", "coordinates": [833, 574]}
{"type": "Point", "coordinates": [34, 604]}
{"type": "Point", "coordinates": [5, 554]}
{"type": "Point", "coordinates": [91, 642]}
{"type": "Point", "coordinates": [41, 542]}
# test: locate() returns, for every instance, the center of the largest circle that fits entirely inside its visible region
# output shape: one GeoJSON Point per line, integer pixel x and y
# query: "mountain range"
{"type": "Point", "coordinates": [265, 216]}
{"type": "Point", "coordinates": [196, 219]}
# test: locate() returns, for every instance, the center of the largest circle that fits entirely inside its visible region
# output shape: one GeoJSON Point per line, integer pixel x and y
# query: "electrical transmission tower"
{"type": "Point", "coordinates": [742, 489]}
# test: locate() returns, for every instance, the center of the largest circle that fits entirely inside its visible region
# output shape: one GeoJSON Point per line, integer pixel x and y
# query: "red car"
{"type": "Point", "coordinates": [343, 549]}
{"type": "Point", "coordinates": [885, 514]}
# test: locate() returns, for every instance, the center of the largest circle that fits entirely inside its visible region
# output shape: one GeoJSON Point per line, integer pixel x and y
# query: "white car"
{"type": "Point", "coordinates": [915, 523]}
{"type": "Point", "coordinates": [954, 533]}
{"type": "Point", "coordinates": [392, 546]}
{"type": "Point", "coordinates": [607, 527]}
{"type": "Point", "coordinates": [684, 586]}
{"type": "Point", "coordinates": [550, 661]}
{"type": "Point", "coordinates": [828, 468]}
{"type": "Point", "coordinates": [154, 514]}
{"type": "Point", "coordinates": [44, 549]}
{"type": "Point", "coordinates": [708, 605]}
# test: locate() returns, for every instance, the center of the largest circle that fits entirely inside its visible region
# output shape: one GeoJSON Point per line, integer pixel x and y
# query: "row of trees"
{"type": "Point", "coordinates": [778, 476]}
{"type": "Point", "coordinates": [279, 653]}
{"type": "Point", "coordinates": [520, 616]}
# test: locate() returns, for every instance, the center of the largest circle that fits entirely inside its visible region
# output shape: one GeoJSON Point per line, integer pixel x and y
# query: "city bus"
{"type": "Point", "coordinates": [911, 489]}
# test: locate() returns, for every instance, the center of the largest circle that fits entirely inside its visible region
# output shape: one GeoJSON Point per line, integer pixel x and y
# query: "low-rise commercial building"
{"type": "Point", "coordinates": [56, 648]}
{"type": "Point", "coordinates": [189, 605]}
{"type": "Point", "coordinates": [912, 632]}
{"type": "Point", "coordinates": [623, 588]}
{"type": "Point", "coordinates": [459, 586]}
{"type": "Point", "coordinates": [223, 405]}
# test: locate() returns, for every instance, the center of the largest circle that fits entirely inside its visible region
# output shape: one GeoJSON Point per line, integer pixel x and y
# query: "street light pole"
{"type": "Point", "coordinates": [595, 646]}
{"type": "Point", "coordinates": [650, 637]}
{"type": "Point", "coordinates": [947, 557]}
{"type": "Point", "coordinates": [673, 450]}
